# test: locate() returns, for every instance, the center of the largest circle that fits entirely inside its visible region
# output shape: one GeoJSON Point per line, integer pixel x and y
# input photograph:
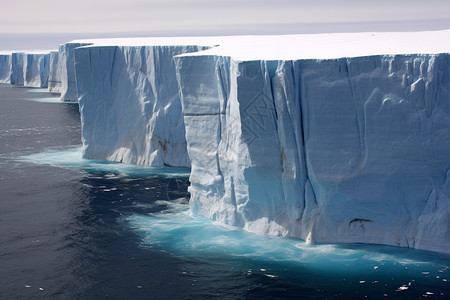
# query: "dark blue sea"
{"type": "Point", "coordinates": [72, 228]}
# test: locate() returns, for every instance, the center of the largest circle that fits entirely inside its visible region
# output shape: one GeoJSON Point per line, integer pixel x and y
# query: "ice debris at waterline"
{"type": "Point", "coordinates": [325, 137]}
{"type": "Point", "coordinates": [72, 158]}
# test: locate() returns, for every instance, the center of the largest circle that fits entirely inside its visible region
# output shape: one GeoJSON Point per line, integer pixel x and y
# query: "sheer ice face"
{"type": "Point", "coordinates": [17, 68]}
{"type": "Point", "coordinates": [332, 150]}
{"type": "Point", "coordinates": [54, 76]}
{"type": "Point", "coordinates": [28, 69]}
{"type": "Point", "coordinates": [44, 70]}
{"type": "Point", "coordinates": [5, 67]}
{"type": "Point", "coordinates": [129, 104]}
{"type": "Point", "coordinates": [36, 70]}
{"type": "Point", "coordinates": [66, 69]}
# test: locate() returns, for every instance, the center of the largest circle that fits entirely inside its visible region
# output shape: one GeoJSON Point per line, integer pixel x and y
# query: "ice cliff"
{"type": "Point", "coordinates": [29, 69]}
{"type": "Point", "coordinates": [5, 67]}
{"type": "Point", "coordinates": [66, 71]}
{"type": "Point", "coordinates": [46, 69]}
{"type": "Point", "coordinates": [17, 68]}
{"type": "Point", "coordinates": [36, 70]}
{"type": "Point", "coordinates": [129, 104]}
{"type": "Point", "coordinates": [55, 73]}
{"type": "Point", "coordinates": [352, 149]}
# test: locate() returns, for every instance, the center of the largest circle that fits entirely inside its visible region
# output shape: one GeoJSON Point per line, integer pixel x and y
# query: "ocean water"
{"type": "Point", "coordinates": [72, 228]}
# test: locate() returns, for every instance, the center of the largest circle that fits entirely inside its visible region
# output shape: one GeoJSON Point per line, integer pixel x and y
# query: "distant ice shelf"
{"type": "Point", "coordinates": [25, 68]}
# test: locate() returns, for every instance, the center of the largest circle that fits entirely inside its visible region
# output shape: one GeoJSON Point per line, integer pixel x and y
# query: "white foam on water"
{"type": "Point", "coordinates": [49, 100]}
{"type": "Point", "coordinates": [72, 158]}
{"type": "Point", "coordinates": [176, 231]}
{"type": "Point", "coordinates": [37, 90]}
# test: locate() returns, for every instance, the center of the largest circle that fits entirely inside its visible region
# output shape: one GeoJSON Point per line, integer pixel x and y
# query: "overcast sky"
{"type": "Point", "coordinates": [171, 16]}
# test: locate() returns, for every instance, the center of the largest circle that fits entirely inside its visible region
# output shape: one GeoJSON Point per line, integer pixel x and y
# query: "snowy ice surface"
{"type": "Point", "coordinates": [292, 142]}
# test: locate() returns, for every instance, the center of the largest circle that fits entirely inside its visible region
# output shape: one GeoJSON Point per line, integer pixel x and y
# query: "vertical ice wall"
{"type": "Point", "coordinates": [36, 70]}
{"type": "Point", "coordinates": [44, 70]}
{"type": "Point", "coordinates": [29, 69]}
{"type": "Point", "coordinates": [129, 104]}
{"type": "Point", "coordinates": [339, 150]}
{"type": "Point", "coordinates": [17, 68]}
{"type": "Point", "coordinates": [5, 67]}
{"type": "Point", "coordinates": [54, 76]}
{"type": "Point", "coordinates": [66, 68]}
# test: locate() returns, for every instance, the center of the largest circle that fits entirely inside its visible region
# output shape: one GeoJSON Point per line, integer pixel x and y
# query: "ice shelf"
{"type": "Point", "coordinates": [327, 137]}
{"type": "Point", "coordinates": [330, 138]}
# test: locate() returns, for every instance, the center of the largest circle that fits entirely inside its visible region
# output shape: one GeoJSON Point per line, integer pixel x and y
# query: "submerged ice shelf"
{"type": "Point", "coordinates": [326, 137]}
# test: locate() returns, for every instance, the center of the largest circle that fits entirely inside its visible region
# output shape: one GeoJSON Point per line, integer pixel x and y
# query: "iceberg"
{"type": "Point", "coordinates": [5, 67]}
{"type": "Point", "coordinates": [329, 138]}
